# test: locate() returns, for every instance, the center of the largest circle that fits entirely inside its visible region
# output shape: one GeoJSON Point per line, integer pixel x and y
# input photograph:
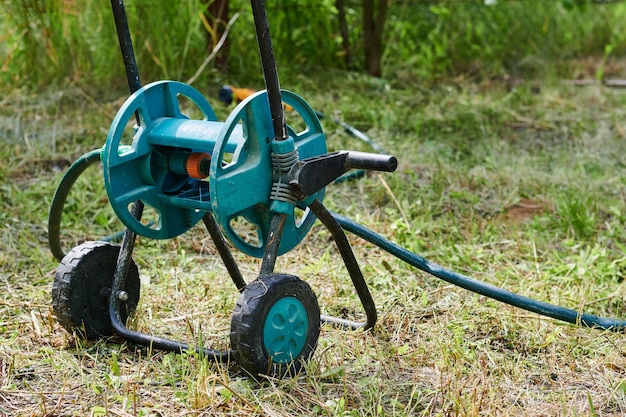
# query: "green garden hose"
{"type": "Point", "coordinates": [479, 287]}
{"type": "Point", "coordinates": [58, 201]}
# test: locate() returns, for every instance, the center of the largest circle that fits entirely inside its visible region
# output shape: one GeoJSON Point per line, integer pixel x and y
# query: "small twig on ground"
{"type": "Point", "coordinates": [588, 82]}
{"type": "Point", "coordinates": [35, 321]}
{"type": "Point", "coordinates": [395, 200]}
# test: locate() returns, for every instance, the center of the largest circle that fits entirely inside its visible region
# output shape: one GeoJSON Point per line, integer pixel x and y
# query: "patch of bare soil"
{"type": "Point", "coordinates": [524, 210]}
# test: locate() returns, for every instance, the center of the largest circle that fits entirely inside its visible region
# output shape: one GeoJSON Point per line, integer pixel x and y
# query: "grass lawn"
{"type": "Point", "coordinates": [521, 184]}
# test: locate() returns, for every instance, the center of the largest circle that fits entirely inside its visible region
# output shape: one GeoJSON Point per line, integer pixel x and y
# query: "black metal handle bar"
{"type": "Point", "coordinates": [312, 174]}
{"type": "Point", "coordinates": [126, 46]}
{"type": "Point", "coordinates": [268, 62]}
{"type": "Point", "coordinates": [371, 161]}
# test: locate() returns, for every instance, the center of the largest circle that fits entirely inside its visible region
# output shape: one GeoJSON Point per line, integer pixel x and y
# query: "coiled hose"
{"type": "Point", "coordinates": [479, 287]}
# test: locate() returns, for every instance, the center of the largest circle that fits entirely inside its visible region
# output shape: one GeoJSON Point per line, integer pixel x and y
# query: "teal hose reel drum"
{"type": "Point", "coordinates": [183, 168]}
{"type": "Point", "coordinates": [251, 170]}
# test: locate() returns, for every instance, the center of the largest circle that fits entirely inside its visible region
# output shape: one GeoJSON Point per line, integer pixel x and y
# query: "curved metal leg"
{"type": "Point", "coordinates": [352, 265]}
{"type": "Point", "coordinates": [117, 295]}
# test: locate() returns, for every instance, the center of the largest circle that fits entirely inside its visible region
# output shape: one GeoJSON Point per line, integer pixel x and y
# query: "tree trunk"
{"type": "Point", "coordinates": [374, 16]}
{"type": "Point", "coordinates": [343, 30]}
{"type": "Point", "coordinates": [216, 13]}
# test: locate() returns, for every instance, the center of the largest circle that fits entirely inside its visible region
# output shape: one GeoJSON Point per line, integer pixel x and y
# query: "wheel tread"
{"type": "Point", "coordinates": [246, 333]}
{"type": "Point", "coordinates": [72, 273]}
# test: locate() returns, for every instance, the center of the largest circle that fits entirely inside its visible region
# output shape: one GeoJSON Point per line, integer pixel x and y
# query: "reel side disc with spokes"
{"type": "Point", "coordinates": [241, 179]}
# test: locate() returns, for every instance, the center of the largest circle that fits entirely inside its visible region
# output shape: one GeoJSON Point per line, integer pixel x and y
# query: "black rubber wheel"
{"type": "Point", "coordinates": [275, 326]}
{"type": "Point", "coordinates": [81, 287]}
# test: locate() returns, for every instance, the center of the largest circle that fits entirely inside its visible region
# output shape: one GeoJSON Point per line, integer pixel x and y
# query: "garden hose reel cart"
{"type": "Point", "coordinates": [251, 169]}
{"type": "Point", "coordinates": [248, 169]}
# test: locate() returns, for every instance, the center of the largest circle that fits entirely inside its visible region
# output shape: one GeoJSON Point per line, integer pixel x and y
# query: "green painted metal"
{"type": "Point", "coordinates": [285, 330]}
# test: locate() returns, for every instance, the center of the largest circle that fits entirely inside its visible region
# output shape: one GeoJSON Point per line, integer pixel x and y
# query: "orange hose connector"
{"type": "Point", "coordinates": [197, 165]}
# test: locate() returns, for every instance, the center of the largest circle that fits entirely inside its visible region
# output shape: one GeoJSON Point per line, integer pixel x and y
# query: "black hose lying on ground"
{"type": "Point", "coordinates": [479, 287]}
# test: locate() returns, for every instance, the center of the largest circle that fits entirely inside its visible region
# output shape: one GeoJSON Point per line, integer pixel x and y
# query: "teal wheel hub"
{"type": "Point", "coordinates": [275, 325]}
{"type": "Point", "coordinates": [285, 330]}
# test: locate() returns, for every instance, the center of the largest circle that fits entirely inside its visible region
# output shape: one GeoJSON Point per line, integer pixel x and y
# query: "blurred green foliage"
{"type": "Point", "coordinates": [72, 41]}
